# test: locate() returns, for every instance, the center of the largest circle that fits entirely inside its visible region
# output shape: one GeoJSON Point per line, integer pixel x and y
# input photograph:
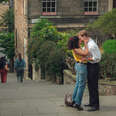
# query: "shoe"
{"type": "Point", "coordinates": [79, 108]}
{"type": "Point", "coordinates": [93, 109]}
{"type": "Point", "coordinates": [73, 104]}
{"type": "Point", "coordinates": [88, 105]}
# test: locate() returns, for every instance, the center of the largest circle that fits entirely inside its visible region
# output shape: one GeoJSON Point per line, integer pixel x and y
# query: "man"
{"type": "Point", "coordinates": [93, 71]}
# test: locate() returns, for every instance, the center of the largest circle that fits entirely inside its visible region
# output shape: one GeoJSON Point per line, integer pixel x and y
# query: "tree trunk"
{"type": "Point", "coordinates": [11, 65]}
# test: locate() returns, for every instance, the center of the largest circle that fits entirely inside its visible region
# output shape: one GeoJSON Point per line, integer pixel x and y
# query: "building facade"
{"type": "Point", "coordinates": [3, 9]}
{"type": "Point", "coordinates": [65, 14]}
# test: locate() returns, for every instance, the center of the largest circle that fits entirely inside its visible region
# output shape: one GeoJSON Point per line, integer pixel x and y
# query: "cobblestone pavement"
{"type": "Point", "coordinates": [43, 98]}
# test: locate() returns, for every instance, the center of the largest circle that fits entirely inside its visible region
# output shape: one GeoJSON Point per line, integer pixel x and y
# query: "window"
{"type": "Point", "coordinates": [48, 7]}
{"type": "Point", "coordinates": [114, 3]}
{"type": "Point", "coordinates": [91, 7]}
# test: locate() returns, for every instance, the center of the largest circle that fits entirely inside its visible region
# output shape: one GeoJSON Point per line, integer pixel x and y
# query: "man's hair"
{"type": "Point", "coordinates": [83, 33]}
{"type": "Point", "coordinates": [73, 43]}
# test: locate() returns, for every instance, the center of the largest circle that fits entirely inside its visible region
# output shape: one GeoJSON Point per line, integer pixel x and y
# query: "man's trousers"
{"type": "Point", "coordinates": [92, 77]}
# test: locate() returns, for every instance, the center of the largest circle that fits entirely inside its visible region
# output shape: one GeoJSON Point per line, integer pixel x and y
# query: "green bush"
{"type": "Point", "coordinates": [43, 48]}
{"type": "Point", "coordinates": [108, 62]}
{"type": "Point", "coordinates": [106, 23]}
{"type": "Point", "coordinates": [56, 62]}
{"type": "Point", "coordinates": [44, 52]}
{"type": "Point", "coordinates": [109, 46]}
{"type": "Point", "coordinates": [41, 32]}
{"type": "Point", "coordinates": [7, 42]}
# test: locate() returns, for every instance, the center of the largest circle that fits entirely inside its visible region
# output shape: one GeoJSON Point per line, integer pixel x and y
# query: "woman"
{"type": "Point", "coordinates": [3, 69]}
{"type": "Point", "coordinates": [79, 54]}
{"type": "Point", "coordinates": [19, 67]}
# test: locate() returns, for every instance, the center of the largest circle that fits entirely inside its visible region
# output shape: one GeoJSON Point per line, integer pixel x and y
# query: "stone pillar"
{"type": "Point", "coordinates": [26, 58]}
{"type": "Point", "coordinates": [33, 68]}
{"type": "Point", "coordinates": [39, 74]}
{"type": "Point", "coordinates": [36, 74]}
{"type": "Point", "coordinates": [110, 5]}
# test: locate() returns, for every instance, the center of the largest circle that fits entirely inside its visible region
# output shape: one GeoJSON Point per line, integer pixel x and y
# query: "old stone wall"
{"type": "Point", "coordinates": [21, 29]}
{"type": "Point", "coordinates": [105, 89]}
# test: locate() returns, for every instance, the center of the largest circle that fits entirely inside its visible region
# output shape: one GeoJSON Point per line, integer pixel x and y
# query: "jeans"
{"type": "Point", "coordinates": [20, 75]}
{"type": "Point", "coordinates": [81, 76]}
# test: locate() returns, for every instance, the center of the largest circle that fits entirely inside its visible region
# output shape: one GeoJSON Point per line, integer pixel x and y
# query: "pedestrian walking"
{"type": "Point", "coordinates": [19, 66]}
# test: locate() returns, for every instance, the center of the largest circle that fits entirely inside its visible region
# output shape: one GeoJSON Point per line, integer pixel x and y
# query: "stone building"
{"type": "Point", "coordinates": [65, 14]}
{"type": "Point", "coordinates": [3, 9]}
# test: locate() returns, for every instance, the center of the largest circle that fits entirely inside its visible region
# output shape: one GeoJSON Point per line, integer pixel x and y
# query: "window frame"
{"type": "Point", "coordinates": [47, 13]}
{"type": "Point", "coordinates": [91, 12]}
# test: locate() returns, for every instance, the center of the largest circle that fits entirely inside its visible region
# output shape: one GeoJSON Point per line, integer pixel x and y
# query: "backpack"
{"type": "Point", "coordinates": [2, 62]}
{"type": "Point", "coordinates": [19, 65]}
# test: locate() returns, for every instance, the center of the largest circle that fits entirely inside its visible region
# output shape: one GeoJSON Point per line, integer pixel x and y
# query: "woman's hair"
{"type": "Point", "coordinates": [73, 43]}
{"type": "Point", "coordinates": [19, 56]}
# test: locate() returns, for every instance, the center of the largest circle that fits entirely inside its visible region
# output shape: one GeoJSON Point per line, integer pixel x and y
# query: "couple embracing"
{"type": "Point", "coordinates": [87, 59]}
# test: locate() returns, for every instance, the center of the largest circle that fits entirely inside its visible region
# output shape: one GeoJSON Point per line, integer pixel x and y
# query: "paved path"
{"type": "Point", "coordinates": [33, 98]}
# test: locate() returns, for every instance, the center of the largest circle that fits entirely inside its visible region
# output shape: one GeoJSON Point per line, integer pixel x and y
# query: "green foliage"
{"type": "Point", "coordinates": [44, 30]}
{"type": "Point", "coordinates": [106, 23]}
{"type": "Point", "coordinates": [44, 43]}
{"type": "Point", "coordinates": [3, 1]}
{"type": "Point", "coordinates": [41, 32]}
{"type": "Point", "coordinates": [7, 43]}
{"type": "Point", "coordinates": [33, 48]}
{"type": "Point", "coordinates": [38, 27]}
{"type": "Point", "coordinates": [108, 62]}
{"type": "Point", "coordinates": [109, 46]}
{"type": "Point", "coordinates": [108, 66]}
{"type": "Point", "coordinates": [55, 63]}
{"type": "Point", "coordinates": [62, 43]}
{"type": "Point", "coordinates": [44, 52]}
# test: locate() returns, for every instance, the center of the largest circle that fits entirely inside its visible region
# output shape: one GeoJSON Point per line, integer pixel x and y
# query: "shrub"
{"type": "Point", "coordinates": [108, 62]}
{"type": "Point", "coordinates": [43, 48]}
{"type": "Point", "coordinates": [106, 23]}
{"type": "Point", "coordinates": [56, 62]}
{"type": "Point", "coordinates": [109, 46]}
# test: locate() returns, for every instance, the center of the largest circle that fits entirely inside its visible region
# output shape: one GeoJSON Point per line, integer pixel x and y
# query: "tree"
{"type": "Point", "coordinates": [7, 39]}
{"type": "Point", "coordinates": [106, 24]}
{"type": "Point", "coordinates": [108, 62]}
{"type": "Point", "coordinates": [43, 44]}
{"type": "Point", "coordinates": [7, 43]}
